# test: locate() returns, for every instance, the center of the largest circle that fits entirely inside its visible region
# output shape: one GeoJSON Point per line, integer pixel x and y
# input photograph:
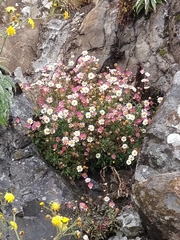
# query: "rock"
{"type": "Point", "coordinates": [160, 150]}
{"type": "Point", "coordinates": [158, 170]}
{"type": "Point", "coordinates": [93, 32]}
{"type": "Point", "coordinates": [158, 199]}
{"type": "Point", "coordinates": [19, 76]}
{"type": "Point", "coordinates": [144, 41]}
{"type": "Point", "coordinates": [24, 173]}
{"type": "Point", "coordinates": [21, 48]}
{"type": "Point", "coordinates": [174, 29]}
{"type": "Point", "coordinates": [130, 223]}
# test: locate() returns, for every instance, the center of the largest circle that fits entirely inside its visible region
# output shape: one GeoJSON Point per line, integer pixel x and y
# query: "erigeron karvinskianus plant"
{"type": "Point", "coordinates": [86, 119]}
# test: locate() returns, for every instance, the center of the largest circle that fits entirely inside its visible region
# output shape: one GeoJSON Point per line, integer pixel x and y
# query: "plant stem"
{"type": "Point", "coordinates": [4, 41]}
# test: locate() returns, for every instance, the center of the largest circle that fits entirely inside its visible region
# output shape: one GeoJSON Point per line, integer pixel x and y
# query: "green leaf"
{"type": "Point", "coordinates": [153, 3]}
{"type": "Point", "coordinates": [139, 5]}
{"type": "Point", "coordinates": [146, 6]}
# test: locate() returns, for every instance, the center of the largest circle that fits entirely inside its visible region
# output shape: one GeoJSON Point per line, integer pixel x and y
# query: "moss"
{"type": "Point", "coordinates": [177, 18]}
{"type": "Point", "coordinates": [162, 52]}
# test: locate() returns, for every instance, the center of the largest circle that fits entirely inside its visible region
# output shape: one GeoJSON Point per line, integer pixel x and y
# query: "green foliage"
{"type": "Point", "coordinates": [98, 217]}
{"type": "Point", "coordinates": [87, 119]}
{"type": "Point", "coordinates": [6, 95]}
{"type": "Point", "coordinates": [177, 18]}
{"type": "Point", "coordinates": [147, 5]}
{"type": "Point", "coordinates": [162, 52]}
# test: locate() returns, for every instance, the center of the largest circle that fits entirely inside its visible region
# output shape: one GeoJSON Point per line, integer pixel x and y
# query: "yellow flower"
{"type": "Point", "coordinates": [31, 22]}
{"type": "Point", "coordinates": [65, 220]}
{"type": "Point", "coordinates": [11, 31]}
{"type": "Point", "coordinates": [55, 206]}
{"type": "Point", "coordinates": [60, 222]}
{"type": "Point", "coordinates": [13, 225]}
{"type": "Point", "coordinates": [9, 197]}
{"type": "Point", "coordinates": [10, 9]}
{"type": "Point", "coordinates": [66, 15]}
{"type": "Point", "coordinates": [56, 221]}
{"type": "Point", "coordinates": [1, 216]}
{"type": "Point", "coordinates": [41, 204]}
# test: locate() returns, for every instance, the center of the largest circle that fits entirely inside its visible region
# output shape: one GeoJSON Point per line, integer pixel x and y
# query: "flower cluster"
{"type": "Point", "coordinates": [87, 119]}
{"type": "Point", "coordinates": [97, 217]}
{"type": "Point", "coordinates": [64, 225]}
{"type": "Point", "coordinates": [5, 200]}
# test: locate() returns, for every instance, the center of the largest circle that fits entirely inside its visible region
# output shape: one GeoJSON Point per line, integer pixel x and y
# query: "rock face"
{"type": "Point", "coordinates": [24, 173]}
{"type": "Point", "coordinates": [147, 41]}
{"type": "Point", "coordinates": [158, 170]}
{"type": "Point", "coordinates": [93, 32]}
{"type": "Point", "coordinates": [161, 148]}
{"type": "Point", "coordinates": [158, 199]}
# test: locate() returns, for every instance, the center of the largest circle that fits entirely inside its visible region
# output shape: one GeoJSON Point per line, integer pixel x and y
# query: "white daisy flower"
{"type": "Point", "coordinates": [101, 121]}
{"type": "Point", "coordinates": [30, 121]}
{"type": "Point", "coordinates": [79, 168]}
{"type": "Point", "coordinates": [75, 139]}
{"type": "Point", "coordinates": [85, 237]}
{"type": "Point", "coordinates": [58, 85]}
{"type": "Point", "coordinates": [98, 155]}
{"type": "Point", "coordinates": [102, 112]}
{"type": "Point", "coordinates": [77, 133]}
{"type": "Point", "coordinates": [129, 106]}
{"type": "Point", "coordinates": [49, 100]}
{"type": "Point", "coordinates": [124, 146]}
{"type": "Point", "coordinates": [84, 53]}
{"type": "Point", "coordinates": [134, 153]}
{"type": "Point", "coordinates": [118, 93]}
{"type": "Point", "coordinates": [47, 131]}
{"type": "Point", "coordinates": [87, 180]}
{"type": "Point", "coordinates": [46, 119]}
{"type": "Point", "coordinates": [74, 102]}
{"type": "Point", "coordinates": [128, 162]}
{"type": "Point", "coordinates": [50, 84]}
{"type": "Point", "coordinates": [88, 115]}
{"type": "Point", "coordinates": [131, 157]}
{"type": "Point", "coordinates": [71, 143]}
{"type": "Point", "coordinates": [90, 139]}
{"type": "Point", "coordinates": [159, 100]}
{"type": "Point", "coordinates": [91, 75]}
{"type": "Point", "coordinates": [106, 199]}
{"type": "Point", "coordinates": [145, 122]}
{"type": "Point", "coordinates": [91, 128]}
{"type": "Point", "coordinates": [49, 111]}
{"type": "Point", "coordinates": [123, 139]}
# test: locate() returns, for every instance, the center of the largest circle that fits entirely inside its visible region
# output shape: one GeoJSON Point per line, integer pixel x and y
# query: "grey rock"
{"type": "Point", "coordinates": [160, 150]}
{"type": "Point", "coordinates": [19, 76]}
{"type": "Point", "coordinates": [24, 173]}
{"type": "Point", "coordinates": [130, 223]}
{"type": "Point", "coordinates": [158, 199]}
{"type": "Point", "coordinates": [158, 168]}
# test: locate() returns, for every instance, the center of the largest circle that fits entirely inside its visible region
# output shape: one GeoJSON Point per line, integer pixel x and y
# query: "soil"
{"type": "Point", "coordinates": [109, 182]}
